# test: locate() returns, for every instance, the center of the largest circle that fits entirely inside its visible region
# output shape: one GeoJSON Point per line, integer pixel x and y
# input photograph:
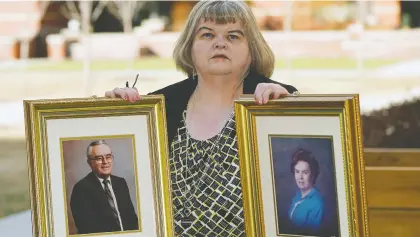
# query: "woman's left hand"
{"type": "Point", "coordinates": [266, 91]}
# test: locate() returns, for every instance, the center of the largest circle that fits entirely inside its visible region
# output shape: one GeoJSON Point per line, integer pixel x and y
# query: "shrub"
{"type": "Point", "coordinates": [395, 127]}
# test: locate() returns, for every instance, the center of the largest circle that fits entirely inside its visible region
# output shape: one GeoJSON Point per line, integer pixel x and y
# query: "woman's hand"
{"type": "Point", "coordinates": [126, 93]}
{"type": "Point", "coordinates": [266, 91]}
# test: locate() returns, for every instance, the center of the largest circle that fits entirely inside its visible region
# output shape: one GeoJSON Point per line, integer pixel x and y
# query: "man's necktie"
{"type": "Point", "coordinates": [111, 201]}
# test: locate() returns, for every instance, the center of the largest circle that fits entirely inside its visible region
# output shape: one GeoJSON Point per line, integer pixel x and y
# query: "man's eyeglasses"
{"type": "Point", "coordinates": [100, 159]}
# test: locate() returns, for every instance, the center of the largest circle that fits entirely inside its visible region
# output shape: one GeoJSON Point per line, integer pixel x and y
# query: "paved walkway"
{"type": "Point", "coordinates": [16, 225]}
{"type": "Point", "coordinates": [411, 67]}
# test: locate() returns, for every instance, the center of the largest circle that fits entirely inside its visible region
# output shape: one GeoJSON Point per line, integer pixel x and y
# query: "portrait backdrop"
{"type": "Point", "coordinates": [282, 148]}
{"type": "Point", "coordinates": [76, 166]}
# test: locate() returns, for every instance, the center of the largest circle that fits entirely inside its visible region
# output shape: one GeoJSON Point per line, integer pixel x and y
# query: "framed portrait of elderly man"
{"type": "Point", "coordinates": [98, 167]}
{"type": "Point", "coordinates": [302, 166]}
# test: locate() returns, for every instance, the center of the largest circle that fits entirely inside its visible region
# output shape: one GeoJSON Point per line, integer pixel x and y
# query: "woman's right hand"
{"type": "Point", "coordinates": [126, 93]}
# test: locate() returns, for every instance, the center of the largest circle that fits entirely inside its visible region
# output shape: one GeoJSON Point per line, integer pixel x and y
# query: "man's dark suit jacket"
{"type": "Point", "coordinates": [178, 94]}
{"type": "Point", "coordinates": [91, 211]}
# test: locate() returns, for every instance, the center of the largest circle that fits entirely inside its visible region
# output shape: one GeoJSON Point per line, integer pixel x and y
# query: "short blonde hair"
{"type": "Point", "coordinates": [224, 12]}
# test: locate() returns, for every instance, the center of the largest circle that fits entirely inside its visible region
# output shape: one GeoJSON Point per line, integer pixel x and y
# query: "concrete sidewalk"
{"type": "Point", "coordinates": [16, 225]}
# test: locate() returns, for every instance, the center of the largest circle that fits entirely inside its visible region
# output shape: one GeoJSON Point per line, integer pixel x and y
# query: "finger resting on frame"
{"type": "Point", "coordinates": [266, 94]}
{"type": "Point", "coordinates": [259, 93]}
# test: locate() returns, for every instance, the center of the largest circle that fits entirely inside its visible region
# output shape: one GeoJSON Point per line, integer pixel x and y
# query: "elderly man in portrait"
{"type": "Point", "coordinates": [100, 202]}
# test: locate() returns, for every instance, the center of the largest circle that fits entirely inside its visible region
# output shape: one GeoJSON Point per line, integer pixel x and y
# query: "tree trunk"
{"type": "Point", "coordinates": [127, 15]}
{"type": "Point", "coordinates": [85, 10]}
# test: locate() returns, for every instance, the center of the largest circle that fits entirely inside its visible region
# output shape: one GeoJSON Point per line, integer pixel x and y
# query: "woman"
{"type": "Point", "coordinates": [224, 54]}
{"type": "Point", "coordinates": [307, 207]}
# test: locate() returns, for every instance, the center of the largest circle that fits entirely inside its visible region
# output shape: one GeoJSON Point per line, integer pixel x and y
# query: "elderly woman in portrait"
{"type": "Point", "coordinates": [307, 207]}
{"type": "Point", "coordinates": [224, 55]}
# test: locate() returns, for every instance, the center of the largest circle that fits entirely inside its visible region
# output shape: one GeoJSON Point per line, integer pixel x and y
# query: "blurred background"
{"type": "Point", "coordinates": [67, 49]}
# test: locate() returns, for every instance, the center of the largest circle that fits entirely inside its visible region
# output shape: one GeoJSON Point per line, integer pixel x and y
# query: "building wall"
{"type": "Point", "coordinates": [16, 16]}
{"type": "Point", "coordinates": [19, 16]}
{"type": "Point", "coordinates": [306, 14]}
{"type": "Point", "coordinates": [25, 18]}
{"type": "Point", "coordinates": [388, 14]}
{"type": "Point", "coordinates": [179, 14]}
{"type": "Point", "coordinates": [18, 19]}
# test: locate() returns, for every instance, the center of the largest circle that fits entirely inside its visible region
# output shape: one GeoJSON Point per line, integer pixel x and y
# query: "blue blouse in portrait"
{"type": "Point", "coordinates": [307, 213]}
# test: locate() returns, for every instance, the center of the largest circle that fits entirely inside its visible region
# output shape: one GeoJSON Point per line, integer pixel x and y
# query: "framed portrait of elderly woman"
{"type": "Point", "coordinates": [98, 167]}
{"type": "Point", "coordinates": [302, 166]}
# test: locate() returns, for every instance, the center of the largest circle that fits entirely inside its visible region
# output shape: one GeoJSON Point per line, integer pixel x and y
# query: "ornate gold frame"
{"type": "Point", "coordinates": [38, 112]}
{"type": "Point", "coordinates": [346, 108]}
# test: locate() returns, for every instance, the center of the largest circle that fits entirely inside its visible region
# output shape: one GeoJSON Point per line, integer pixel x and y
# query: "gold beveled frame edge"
{"type": "Point", "coordinates": [33, 120]}
{"type": "Point", "coordinates": [358, 181]}
{"type": "Point", "coordinates": [243, 122]}
{"type": "Point", "coordinates": [163, 149]}
{"type": "Point", "coordinates": [30, 128]}
{"type": "Point", "coordinates": [86, 103]}
{"type": "Point", "coordinates": [248, 99]}
{"type": "Point", "coordinates": [246, 120]}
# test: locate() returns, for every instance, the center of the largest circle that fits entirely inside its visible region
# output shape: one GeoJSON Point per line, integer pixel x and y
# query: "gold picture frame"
{"type": "Point", "coordinates": [73, 144]}
{"type": "Point", "coordinates": [302, 166]}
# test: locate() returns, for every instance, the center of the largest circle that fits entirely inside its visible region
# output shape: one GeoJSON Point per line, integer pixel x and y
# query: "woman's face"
{"type": "Point", "coordinates": [303, 175]}
{"type": "Point", "coordinates": [220, 49]}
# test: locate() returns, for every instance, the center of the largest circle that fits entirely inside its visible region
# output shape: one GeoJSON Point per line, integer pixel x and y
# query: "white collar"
{"type": "Point", "coordinates": [102, 180]}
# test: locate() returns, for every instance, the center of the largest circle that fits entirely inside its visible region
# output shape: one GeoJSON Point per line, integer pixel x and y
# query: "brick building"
{"type": "Point", "coordinates": [311, 15]}
{"type": "Point", "coordinates": [32, 21]}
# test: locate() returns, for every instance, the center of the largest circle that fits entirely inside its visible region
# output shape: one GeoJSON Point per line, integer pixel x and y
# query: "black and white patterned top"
{"type": "Point", "coordinates": [212, 172]}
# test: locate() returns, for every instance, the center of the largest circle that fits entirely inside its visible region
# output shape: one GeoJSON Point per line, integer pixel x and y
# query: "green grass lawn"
{"type": "Point", "coordinates": [158, 63]}
{"type": "Point", "coordinates": [14, 182]}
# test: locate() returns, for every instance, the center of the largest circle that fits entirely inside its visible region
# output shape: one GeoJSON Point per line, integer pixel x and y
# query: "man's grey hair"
{"type": "Point", "coordinates": [92, 144]}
